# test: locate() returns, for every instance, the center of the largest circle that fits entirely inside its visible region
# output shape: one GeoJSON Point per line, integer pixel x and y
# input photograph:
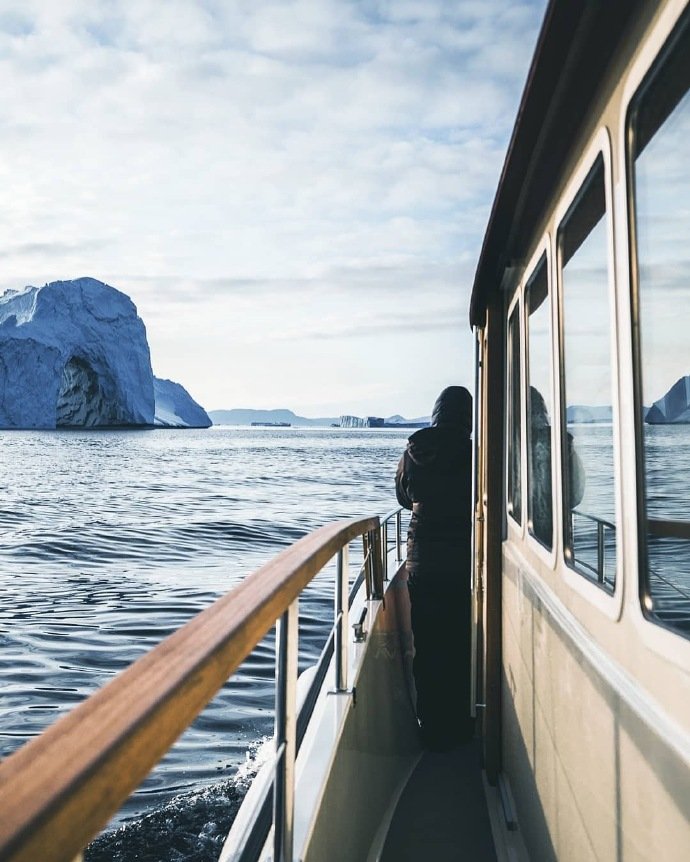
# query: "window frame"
{"type": "Point", "coordinates": [542, 256]}
{"type": "Point", "coordinates": [608, 602]}
{"type": "Point", "coordinates": [668, 32]}
{"type": "Point", "coordinates": [517, 528]}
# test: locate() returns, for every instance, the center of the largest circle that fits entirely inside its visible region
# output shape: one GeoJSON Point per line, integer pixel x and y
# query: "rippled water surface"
{"type": "Point", "coordinates": [111, 540]}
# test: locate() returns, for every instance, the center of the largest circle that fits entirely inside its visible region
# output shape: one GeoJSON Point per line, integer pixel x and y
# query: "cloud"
{"type": "Point", "coordinates": [50, 250]}
{"type": "Point", "coordinates": [390, 326]}
{"type": "Point", "coordinates": [249, 150]}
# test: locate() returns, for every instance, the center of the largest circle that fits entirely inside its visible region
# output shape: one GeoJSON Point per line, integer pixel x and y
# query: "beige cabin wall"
{"type": "Point", "coordinates": [591, 779]}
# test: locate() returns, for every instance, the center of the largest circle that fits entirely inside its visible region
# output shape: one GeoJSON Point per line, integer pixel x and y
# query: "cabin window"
{"type": "Point", "coordinates": [659, 123]}
{"type": "Point", "coordinates": [514, 417]}
{"type": "Point", "coordinates": [539, 406]}
{"type": "Point", "coordinates": [589, 507]}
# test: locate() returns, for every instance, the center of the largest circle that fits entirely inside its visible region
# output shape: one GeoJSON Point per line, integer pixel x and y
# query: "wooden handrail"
{"type": "Point", "coordinates": [59, 790]}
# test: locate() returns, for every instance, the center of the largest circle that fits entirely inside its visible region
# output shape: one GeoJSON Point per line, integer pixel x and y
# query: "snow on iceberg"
{"type": "Point", "coordinates": [74, 353]}
{"type": "Point", "coordinates": [175, 407]}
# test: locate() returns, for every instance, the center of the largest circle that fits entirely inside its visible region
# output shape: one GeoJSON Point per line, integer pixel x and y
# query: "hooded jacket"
{"type": "Point", "coordinates": [434, 480]}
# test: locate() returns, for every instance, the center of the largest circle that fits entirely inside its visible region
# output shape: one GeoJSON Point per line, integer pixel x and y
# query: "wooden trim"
{"type": "Point", "coordinates": [477, 690]}
{"type": "Point", "coordinates": [60, 789]}
{"type": "Point", "coordinates": [494, 370]}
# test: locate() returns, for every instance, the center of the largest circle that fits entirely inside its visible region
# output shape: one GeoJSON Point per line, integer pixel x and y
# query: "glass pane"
{"type": "Point", "coordinates": [662, 198]}
{"type": "Point", "coordinates": [514, 430]}
{"type": "Point", "coordinates": [587, 380]}
{"type": "Point", "coordinates": [539, 407]}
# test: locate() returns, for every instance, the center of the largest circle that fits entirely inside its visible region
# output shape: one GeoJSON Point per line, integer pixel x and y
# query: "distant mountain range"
{"type": "Point", "coordinates": [583, 414]}
{"type": "Point", "coordinates": [240, 416]}
{"type": "Point", "coordinates": [672, 408]}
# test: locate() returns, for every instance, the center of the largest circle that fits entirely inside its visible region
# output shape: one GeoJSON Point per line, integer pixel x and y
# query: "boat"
{"type": "Point", "coordinates": [271, 424]}
{"type": "Point", "coordinates": [581, 609]}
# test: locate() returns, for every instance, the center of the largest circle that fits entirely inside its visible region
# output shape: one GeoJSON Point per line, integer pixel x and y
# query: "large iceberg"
{"type": "Point", "coordinates": [673, 407]}
{"type": "Point", "coordinates": [74, 353]}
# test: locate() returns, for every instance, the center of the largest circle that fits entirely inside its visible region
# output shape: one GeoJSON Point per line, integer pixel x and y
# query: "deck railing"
{"type": "Point", "coordinates": [603, 527]}
{"type": "Point", "coordinates": [656, 528]}
{"type": "Point", "coordinates": [668, 599]}
{"type": "Point", "coordinates": [393, 516]}
{"type": "Point", "coordinates": [60, 789]}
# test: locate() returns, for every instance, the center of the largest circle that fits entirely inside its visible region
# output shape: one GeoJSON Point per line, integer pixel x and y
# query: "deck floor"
{"type": "Point", "coordinates": [442, 814]}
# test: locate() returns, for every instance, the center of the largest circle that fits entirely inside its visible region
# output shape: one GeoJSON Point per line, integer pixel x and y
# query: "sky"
{"type": "Point", "coordinates": [293, 193]}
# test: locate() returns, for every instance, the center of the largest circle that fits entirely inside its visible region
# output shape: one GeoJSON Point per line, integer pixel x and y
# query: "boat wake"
{"type": "Point", "coordinates": [190, 827]}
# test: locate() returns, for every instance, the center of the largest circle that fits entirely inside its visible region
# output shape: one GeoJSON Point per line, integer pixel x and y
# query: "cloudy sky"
{"type": "Point", "coordinates": [293, 193]}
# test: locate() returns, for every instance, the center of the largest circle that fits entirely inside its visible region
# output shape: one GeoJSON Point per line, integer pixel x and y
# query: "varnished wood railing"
{"type": "Point", "coordinates": [60, 789]}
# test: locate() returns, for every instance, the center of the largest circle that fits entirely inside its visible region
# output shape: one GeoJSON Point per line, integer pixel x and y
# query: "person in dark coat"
{"type": "Point", "coordinates": [434, 480]}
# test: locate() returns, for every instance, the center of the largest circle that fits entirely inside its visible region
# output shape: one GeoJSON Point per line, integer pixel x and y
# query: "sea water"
{"type": "Point", "coordinates": [112, 540]}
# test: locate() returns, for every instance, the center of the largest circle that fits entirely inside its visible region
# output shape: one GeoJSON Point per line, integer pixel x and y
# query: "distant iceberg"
{"type": "Point", "coordinates": [75, 354]}
{"type": "Point", "coordinates": [361, 422]}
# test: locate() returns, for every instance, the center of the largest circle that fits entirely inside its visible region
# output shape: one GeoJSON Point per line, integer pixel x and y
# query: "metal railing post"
{"type": "Point", "coordinates": [366, 551]}
{"type": "Point", "coordinates": [384, 544]}
{"type": "Point", "coordinates": [398, 536]}
{"type": "Point", "coordinates": [600, 551]}
{"type": "Point", "coordinates": [341, 619]}
{"type": "Point", "coordinates": [376, 564]}
{"type": "Point", "coordinates": [285, 734]}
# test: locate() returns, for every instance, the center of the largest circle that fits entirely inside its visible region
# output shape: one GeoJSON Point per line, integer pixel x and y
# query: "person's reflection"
{"type": "Point", "coordinates": [541, 499]}
{"type": "Point", "coordinates": [541, 506]}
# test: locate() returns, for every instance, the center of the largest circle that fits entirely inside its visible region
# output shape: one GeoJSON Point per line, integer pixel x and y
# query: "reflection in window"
{"type": "Point", "coordinates": [587, 385]}
{"type": "Point", "coordinates": [539, 407]}
{"type": "Point", "coordinates": [660, 120]}
{"type": "Point", "coordinates": [514, 432]}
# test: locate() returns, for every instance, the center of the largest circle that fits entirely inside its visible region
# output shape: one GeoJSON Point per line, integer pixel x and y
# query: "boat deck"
{"type": "Point", "coordinates": [442, 813]}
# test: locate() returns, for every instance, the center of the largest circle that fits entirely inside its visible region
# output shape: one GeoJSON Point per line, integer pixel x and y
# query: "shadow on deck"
{"type": "Point", "coordinates": [442, 813]}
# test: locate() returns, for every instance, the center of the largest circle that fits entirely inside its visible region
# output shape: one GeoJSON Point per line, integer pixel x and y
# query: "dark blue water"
{"type": "Point", "coordinates": [112, 540]}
